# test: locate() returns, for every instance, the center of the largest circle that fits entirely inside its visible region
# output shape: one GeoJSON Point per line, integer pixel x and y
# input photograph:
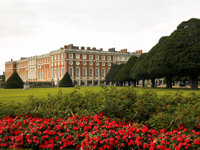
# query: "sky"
{"type": "Point", "coordinates": [29, 28]}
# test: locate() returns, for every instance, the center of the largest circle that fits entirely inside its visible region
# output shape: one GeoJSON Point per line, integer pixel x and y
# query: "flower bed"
{"type": "Point", "coordinates": [91, 132]}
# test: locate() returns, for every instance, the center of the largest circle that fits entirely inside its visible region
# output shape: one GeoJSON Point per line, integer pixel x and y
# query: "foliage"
{"type": "Point", "coordinates": [120, 104]}
{"type": "Point", "coordinates": [66, 81]}
{"type": "Point", "coordinates": [14, 82]}
{"type": "Point", "coordinates": [90, 132]}
{"type": "Point", "coordinates": [124, 71]}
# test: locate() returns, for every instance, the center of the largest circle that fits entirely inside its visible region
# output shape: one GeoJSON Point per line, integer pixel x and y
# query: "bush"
{"type": "Point", "coordinates": [14, 82]}
{"type": "Point", "coordinates": [40, 84]}
{"type": "Point", "coordinates": [169, 111]}
{"type": "Point", "coordinates": [90, 132]}
{"type": "Point", "coordinates": [66, 81]}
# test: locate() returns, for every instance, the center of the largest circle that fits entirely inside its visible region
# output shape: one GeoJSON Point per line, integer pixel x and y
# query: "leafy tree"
{"type": "Point", "coordinates": [110, 75]}
{"type": "Point", "coordinates": [66, 81]}
{"type": "Point", "coordinates": [124, 72]}
{"type": "Point", "coordinates": [14, 82]}
{"type": "Point", "coordinates": [184, 48]}
{"type": "Point", "coordinates": [158, 64]}
{"type": "Point", "coordinates": [138, 71]}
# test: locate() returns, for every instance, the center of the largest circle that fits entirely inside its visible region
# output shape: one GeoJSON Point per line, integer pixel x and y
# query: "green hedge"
{"type": "Point", "coordinates": [14, 82]}
{"type": "Point", "coordinates": [157, 112]}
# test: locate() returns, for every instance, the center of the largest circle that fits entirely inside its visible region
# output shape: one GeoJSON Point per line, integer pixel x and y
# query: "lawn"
{"type": "Point", "coordinates": [9, 96]}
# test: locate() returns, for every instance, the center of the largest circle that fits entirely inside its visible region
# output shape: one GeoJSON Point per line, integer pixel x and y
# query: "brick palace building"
{"type": "Point", "coordinates": [86, 66]}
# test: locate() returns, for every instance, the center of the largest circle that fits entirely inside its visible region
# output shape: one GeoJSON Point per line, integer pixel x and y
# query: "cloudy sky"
{"type": "Point", "coordinates": [36, 27]}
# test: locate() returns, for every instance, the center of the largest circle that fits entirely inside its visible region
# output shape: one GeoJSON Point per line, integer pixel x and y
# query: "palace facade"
{"type": "Point", "coordinates": [86, 66]}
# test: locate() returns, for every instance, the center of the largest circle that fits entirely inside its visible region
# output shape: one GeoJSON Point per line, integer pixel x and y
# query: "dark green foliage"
{"type": "Point", "coordinates": [66, 81]}
{"type": "Point", "coordinates": [139, 71]}
{"type": "Point", "coordinates": [121, 73]}
{"type": "Point", "coordinates": [111, 74]}
{"type": "Point", "coordinates": [14, 82]}
{"type": "Point", "coordinates": [157, 112]}
{"type": "Point", "coordinates": [124, 72]}
{"type": "Point", "coordinates": [2, 80]}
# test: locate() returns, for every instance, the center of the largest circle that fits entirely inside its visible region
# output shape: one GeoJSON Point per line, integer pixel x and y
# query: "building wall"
{"type": "Point", "coordinates": [85, 65]}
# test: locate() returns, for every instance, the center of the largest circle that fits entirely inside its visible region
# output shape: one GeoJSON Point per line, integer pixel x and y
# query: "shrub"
{"type": "Point", "coordinates": [124, 104]}
{"type": "Point", "coordinates": [14, 82]}
{"type": "Point", "coordinates": [66, 81]}
{"type": "Point", "coordinates": [90, 132]}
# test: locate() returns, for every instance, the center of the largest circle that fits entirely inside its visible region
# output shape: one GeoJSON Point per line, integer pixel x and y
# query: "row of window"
{"type": "Point", "coordinates": [90, 63]}
{"type": "Point", "coordinates": [84, 72]}
{"type": "Point", "coordinates": [57, 57]}
{"type": "Point", "coordinates": [57, 73]}
{"type": "Point", "coordinates": [58, 63]}
{"type": "Point", "coordinates": [84, 56]}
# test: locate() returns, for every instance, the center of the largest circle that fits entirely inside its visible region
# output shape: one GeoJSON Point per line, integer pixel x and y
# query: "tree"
{"type": "Point", "coordinates": [110, 75]}
{"type": "Point", "coordinates": [138, 71]}
{"type": "Point", "coordinates": [14, 82]}
{"type": "Point", "coordinates": [66, 81]}
{"type": "Point", "coordinates": [184, 47]}
{"type": "Point", "coordinates": [124, 72]}
{"type": "Point", "coordinates": [158, 64]}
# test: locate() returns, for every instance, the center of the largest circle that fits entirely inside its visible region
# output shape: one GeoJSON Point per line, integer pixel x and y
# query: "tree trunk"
{"type": "Point", "coordinates": [194, 81]}
{"type": "Point", "coordinates": [153, 82]}
{"type": "Point", "coordinates": [169, 82]}
{"type": "Point", "coordinates": [134, 83]}
{"type": "Point", "coordinates": [143, 82]}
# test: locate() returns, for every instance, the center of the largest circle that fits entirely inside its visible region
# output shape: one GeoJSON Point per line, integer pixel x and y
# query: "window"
{"type": "Point", "coordinates": [58, 63]}
{"type": "Point", "coordinates": [91, 72]}
{"type": "Point", "coordinates": [62, 72]}
{"type": "Point", "coordinates": [84, 56]}
{"type": "Point", "coordinates": [71, 56]}
{"type": "Point", "coordinates": [58, 56]}
{"type": "Point", "coordinates": [103, 72]}
{"type": "Point", "coordinates": [71, 62]}
{"type": "Point", "coordinates": [97, 57]}
{"type": "Point", "coordinates": [38, 74]}
{"type": "Point", "coordinates": [97, 63]}
{"type": "Point", "coordinates": [91, 57]}
{"type": "Point", "coordinates": [77, 56]}
{"type": "Point", "coordinates": [52, 73]}
{"type": "Point", "coordinates": [103, 64]}
{"type": "Point", "coordinates": [109, 57]}
{"type": "Point", "coordinates": [52, 58]}
{"type": "Point", "coordinates": [62, 63]}
{"type": "Point", "coordinates": [55, 73]}
{"type": "Point", "coordinates": [120, 58]}
{"type": "Point", "coordinates": [125, 58]}
{"type": "Point", "coordinates": [103, 57]}
{"type": "Point", "coordinates": [114, 58]}
{"type": "Point", "coordinates": [97, 73]}
{"type": "Point", "coordinates": [84, 72]}
{"type": "Point", "coordinates": [58, 72]}
{"type": "Point", "coordinates": [91, 63]}
{"type": "Point", "coordinates": [84, 63]}
{"type": "Point", "coordinates": [77, 63]}
{"type": "Point", "coordinates": [77, 72]}
{"type": "Point", "coordinates": [61, 56]}
{"type": "Point", "coordinates": [51, 64]}
{"type": "Point", "coordinates": [70, 72]}
{"type": "Point", "coordinates": [109, 64]}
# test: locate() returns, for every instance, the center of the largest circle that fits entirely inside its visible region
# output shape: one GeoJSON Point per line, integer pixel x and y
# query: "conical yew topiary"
{"type": "Point", "coordinates": [66, 81]}
{"type": "Point", "coordinates": [14, 82]}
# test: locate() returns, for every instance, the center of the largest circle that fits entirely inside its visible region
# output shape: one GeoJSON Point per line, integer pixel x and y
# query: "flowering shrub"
{"type": "Point", "coordinates": [157, 112]}
{"type": "Point", "coordinates": [90, 132]}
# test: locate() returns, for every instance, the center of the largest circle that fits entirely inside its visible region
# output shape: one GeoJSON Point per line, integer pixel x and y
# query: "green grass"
{"type": "Point", "coordinates": [9, 96]}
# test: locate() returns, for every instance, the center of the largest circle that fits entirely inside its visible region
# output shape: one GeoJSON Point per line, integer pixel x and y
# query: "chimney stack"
{"type": "Point", "coordinates": [111, 49]}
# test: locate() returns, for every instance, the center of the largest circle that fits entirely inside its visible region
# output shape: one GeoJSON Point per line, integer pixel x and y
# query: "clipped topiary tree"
{"type": "Point", "coordinates": [66, 81]}
{"type": "Point", "coordinates": [14, 82]}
